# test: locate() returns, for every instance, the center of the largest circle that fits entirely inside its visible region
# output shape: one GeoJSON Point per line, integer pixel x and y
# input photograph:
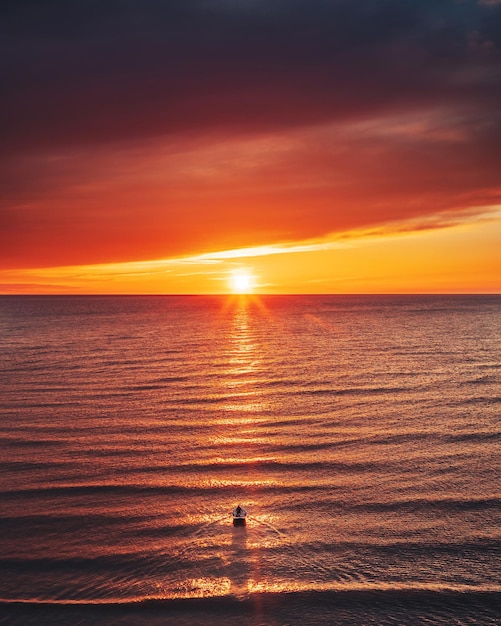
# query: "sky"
{"type": "Point", "coordinates": [315, 146]}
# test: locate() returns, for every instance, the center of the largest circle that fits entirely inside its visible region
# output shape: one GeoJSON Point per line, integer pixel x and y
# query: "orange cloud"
{"type": "Point", "coordinates": [452, 258]}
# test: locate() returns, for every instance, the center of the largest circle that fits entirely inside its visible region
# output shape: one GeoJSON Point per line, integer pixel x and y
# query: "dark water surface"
{"type": "Point", "coordinates": [362, 434]}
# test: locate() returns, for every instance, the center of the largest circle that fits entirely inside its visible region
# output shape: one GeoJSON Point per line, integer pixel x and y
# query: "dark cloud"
{"type": "Point", "coordinates": [85, 72]}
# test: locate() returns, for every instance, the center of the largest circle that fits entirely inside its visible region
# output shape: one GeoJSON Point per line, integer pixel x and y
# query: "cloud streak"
{"type": "Point", "coordinates": [368, 260]}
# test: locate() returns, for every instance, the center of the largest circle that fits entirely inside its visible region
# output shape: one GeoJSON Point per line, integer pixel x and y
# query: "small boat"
{"type": "Point", "coordinates": [239, 515]}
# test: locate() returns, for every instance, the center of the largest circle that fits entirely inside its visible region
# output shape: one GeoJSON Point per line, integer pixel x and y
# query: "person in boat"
{"type": "Point", "coordinates": [239, 515]}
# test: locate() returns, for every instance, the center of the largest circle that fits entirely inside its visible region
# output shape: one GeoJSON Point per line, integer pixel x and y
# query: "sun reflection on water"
{"type": "Point", "coordinates": [244, 358]}
{"type": "Point", "coordinates": [238, 441]}
{"type": "Point", "coordinates": [243, 353]}
{"type": "Point", "coordinates": [240, 565]}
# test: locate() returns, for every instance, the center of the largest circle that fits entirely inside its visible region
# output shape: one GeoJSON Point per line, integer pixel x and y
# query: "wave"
{"type": "Point", "coordinates": [420, 504]}
{"type": "Point", "coordinates": [314, 388]}
{"type": "Point", "coordinates": [67, 521]}
{"type": "Point", "coordinates": [411, 505]}
{"type": "Point", "coordinates": [473, 437]}
{"type": "Point", "coordinates": [371, 593]}
{"type": "Point", "coordinates": [271, 465]}
{"type": "Point", "coordinates": [342, 607]}
{"type": "Point", "coordinates": [27, 442]}
{"type": "Point", "coordinates": [476, 400]}
{"type": "Point", "coordinates": [213, 487]}
{"type": "Point", "coordinates": [388, 547]}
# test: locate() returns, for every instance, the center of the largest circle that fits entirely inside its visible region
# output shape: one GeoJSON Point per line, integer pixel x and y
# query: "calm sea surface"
{"type": "Point", "coordinates": [362, 434]}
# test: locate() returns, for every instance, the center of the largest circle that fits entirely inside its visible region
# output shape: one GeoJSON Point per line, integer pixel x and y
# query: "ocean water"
{"type": "Point", "coordinates": [361, 433]}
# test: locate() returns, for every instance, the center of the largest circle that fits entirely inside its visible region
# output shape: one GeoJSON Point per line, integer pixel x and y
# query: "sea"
{"type": "Point", "coordinates": [360, 433]}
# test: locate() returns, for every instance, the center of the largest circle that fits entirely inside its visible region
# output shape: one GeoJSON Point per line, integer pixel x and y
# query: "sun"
{"type": "Point", "coordinates": [241, 281]}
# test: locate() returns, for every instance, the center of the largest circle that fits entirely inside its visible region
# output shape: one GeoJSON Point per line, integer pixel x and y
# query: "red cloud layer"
{"type": "Point", "coordinates": [151, 129]}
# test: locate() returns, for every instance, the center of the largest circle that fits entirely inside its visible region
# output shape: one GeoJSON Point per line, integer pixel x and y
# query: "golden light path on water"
{"type": "Point", "coordinates": [242, 412]}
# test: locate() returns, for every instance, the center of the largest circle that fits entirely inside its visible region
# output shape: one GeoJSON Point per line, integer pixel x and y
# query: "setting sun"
{"type": "Point", "coordinates": [241, 282]}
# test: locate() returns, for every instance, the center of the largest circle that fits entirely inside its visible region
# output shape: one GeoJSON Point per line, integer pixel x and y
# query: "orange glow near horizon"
{"type": "Point", "coordinates": [459, 259]}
